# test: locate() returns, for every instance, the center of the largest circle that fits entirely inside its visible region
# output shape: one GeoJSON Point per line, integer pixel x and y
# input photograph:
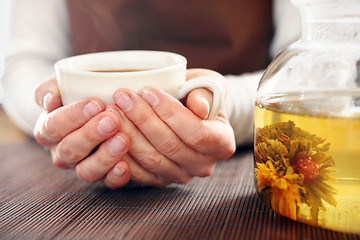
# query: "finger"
{"type": "Point", "coordinates": [78, 144]}
{"type": "Point", "coordinates": [53, 127]}
{"type": "Point", "coordinates": [142, 149]}
{"type": "Point", "coordinates": [199, 102]}
{"type": "Point", "coordinates": [141, 175]}
{"type": "Point", "coordinates": [159, 143]}
{"type": "Point", "coordinates": [118, 176]}
{"type": "Point", "coordinates": [47, 95]}
{"type": "Point", "coordinates": [96, 166]}
{"type": "Point", "coordinates": [214, 139]}
{"type": "Point", "coordinates": [138, 173]}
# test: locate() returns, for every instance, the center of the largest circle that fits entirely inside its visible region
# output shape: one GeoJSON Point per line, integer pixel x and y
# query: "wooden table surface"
{"type": "Point", "coordinates": [39, 201]}
{"type": "Point", "coordinates": [8, 131]}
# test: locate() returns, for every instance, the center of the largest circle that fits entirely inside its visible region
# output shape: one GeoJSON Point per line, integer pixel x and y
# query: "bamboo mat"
{"type": "Point", "coordinates": [38, 201]}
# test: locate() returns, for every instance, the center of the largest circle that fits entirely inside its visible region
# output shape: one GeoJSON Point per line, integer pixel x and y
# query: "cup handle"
{"type": "Point", "coordinates": [206, 82]}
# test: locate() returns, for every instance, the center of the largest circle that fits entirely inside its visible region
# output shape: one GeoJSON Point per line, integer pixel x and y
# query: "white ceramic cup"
{"type": "Point", "coordinates": [80, 76]}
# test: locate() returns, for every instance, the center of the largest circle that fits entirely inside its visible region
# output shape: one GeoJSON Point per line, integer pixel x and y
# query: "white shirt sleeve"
{"type": "Point", "coordinates": [242, 89]}
{"type": "Point", "coordinates": [39, 36]}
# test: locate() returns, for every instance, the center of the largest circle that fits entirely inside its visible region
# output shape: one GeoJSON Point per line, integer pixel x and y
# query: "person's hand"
{"type": "Point", "coordinates": [171, 143]}
{"type": "Point", "coordinates": [73, 133]}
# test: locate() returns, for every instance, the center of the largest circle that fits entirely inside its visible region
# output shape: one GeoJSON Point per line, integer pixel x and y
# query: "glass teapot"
{"type": "Point", "coordinates": [307, 120]}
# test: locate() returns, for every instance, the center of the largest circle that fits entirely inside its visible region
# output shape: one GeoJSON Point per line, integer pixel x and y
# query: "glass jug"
{"type": "Point", "coordinates": [307, 120]}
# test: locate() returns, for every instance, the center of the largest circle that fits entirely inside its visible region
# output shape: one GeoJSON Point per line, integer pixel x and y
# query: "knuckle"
{"type": "Point", "coordinates": [58, 162]}
{"type": "Point", "coordinates": [67, 153]}
{"type": "Point", "coordinates": [140, 120]}
{"type": "Point", "coordinates": [168, 115]}
{"type": "Point", "coordinates": [40, 138]}
{"type": "Point", "coordinates": [169, 147]}
{"type": "Point", "coordinates": [75, 119]}
{"type": "Point", "coordinates": [205, 171]}
{"type": "Point", "coordinates": [115, 183]}
{"type": "Point", "coordinates": [50, 131]}
{"type": "Point", "coordinates": [207, 140]}
{"type": "Point", "coordinates": [229, 150]}
{"type": "Point", "coordinates": [184, 180]}
{"type": "Point", "coordinates": [106, 162]}
{"type": "Point", "coordinates": [160, 182]}
{"type": "Point", "coordinates": [150, 161]}
{"type": "Point", "coordinates": [226, 148]}
{"type": "Point", "coordinates": [199, 137]}
{"type": "Point", "coordinates": [92, 137]}
{"type": "Point", "coordinates": [83, 175]}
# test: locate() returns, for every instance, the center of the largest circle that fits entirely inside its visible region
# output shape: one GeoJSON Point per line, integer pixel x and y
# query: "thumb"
{"type": "Point", "coordinates": [47, 95]}
{"type": "Point", "coordinates": [199, 102]}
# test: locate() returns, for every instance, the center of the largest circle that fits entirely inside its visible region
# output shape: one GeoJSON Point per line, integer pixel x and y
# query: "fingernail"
{"type": "Point", "coordinates": [123, 101]}
{"type": "Point", "coordinates": [116, 112]}
{"type": "Point", "coordinates": [46, 100]}
{"type": "Point", "coordinates": [205, 101]}
{"type": "Point", "coordinates": [116, 145]}
{"type": "Point", "coordinates": [118, 171]}
{"type": "Point", "coordinates": [106, 125]}
{"type": "Point", "coordinates": [150, 97]}
{"type": "Point", "coordinates": [92, 108]}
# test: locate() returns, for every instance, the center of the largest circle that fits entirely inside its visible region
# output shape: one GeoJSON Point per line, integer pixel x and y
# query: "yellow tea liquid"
{"type": "Point", "coordinates": [333, 116]}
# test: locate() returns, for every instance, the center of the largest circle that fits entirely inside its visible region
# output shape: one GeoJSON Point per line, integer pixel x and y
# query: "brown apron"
{"type": "Point", "coordinates": [229, 36]}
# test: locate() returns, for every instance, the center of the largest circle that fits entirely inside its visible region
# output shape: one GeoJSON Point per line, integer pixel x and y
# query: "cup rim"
{"type": "Point", "coordinates": [63, 66]}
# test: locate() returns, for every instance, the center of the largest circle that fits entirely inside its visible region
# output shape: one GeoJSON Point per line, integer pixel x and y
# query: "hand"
{"type": "Point", "coordinates": [171, 143]}
{"type": "Point", "coordinates": [72, 132]}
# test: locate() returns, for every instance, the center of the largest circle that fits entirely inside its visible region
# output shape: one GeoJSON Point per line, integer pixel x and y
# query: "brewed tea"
{"type": "Point", "coordinates": [307, 157]}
